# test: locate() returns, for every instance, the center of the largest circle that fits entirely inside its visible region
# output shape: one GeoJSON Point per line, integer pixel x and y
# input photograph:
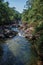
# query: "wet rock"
{"type": "Point", "coordinates": [9, 33]}
{"type": "Point", "coordinates": [2, 36]}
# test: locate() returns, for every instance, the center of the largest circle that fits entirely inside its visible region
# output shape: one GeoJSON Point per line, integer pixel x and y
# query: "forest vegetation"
{"type": "Point", "coordinates": [33, 15]}
{"type": "Point", "coordinates": [8, 14]}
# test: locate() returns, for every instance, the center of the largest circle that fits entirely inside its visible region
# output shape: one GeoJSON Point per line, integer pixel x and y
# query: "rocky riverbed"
{"type": "Point", "coordinates": [27, 31]}
{"type": "Point", "coordinates": [7, 32]}
{"type": "Point", "coordinates": [16, 51]}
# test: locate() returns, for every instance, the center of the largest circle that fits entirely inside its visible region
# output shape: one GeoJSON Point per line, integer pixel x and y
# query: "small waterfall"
{"type": "Point", "coordinates": [21, 34]}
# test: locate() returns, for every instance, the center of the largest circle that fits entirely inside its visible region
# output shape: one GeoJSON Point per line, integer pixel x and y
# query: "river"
{"type": "Point", "coordinates": [16, 51]}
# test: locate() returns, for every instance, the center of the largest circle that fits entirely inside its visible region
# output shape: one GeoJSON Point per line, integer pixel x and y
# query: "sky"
{"type": "Point", "coordinates": [19, 4]}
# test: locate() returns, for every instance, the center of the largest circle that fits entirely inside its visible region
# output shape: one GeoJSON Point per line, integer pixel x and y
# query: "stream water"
{"type": "Point", "coordinates": [16, 51]}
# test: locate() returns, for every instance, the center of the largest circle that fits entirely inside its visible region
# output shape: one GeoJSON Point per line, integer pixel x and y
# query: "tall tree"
{"type": "Point", "coordinates": [8, 14]}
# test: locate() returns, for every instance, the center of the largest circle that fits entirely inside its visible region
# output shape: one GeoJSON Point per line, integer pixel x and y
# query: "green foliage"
{"type": "Point", "coordinates": [8, 15]}
{"type": "Point", "coordinates": [33, 14]}
{"type": "Point", "coordinates": [39, 27]}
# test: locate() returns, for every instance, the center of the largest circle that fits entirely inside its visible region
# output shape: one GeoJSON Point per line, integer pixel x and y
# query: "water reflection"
{"type": "Point", "coordinates": [16, 51]}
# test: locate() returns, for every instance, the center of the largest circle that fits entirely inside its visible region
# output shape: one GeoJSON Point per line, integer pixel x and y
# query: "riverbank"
{"type": "Point", "coordinates": [7, 32]}
{"type": "Point", "coordinates": [28, 31]}
{"type": "Point", "coordinates": [36, 39]}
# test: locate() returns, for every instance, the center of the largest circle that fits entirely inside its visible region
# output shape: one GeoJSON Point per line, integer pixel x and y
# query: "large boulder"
{"type": "Point", "coordinates": [9, 33]}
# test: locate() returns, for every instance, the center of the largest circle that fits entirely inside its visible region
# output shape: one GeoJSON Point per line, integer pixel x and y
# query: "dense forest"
{"type": "Point", "coordinates": [33, 15]}
{"type": "Point", "coordinates": [8, 15]}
